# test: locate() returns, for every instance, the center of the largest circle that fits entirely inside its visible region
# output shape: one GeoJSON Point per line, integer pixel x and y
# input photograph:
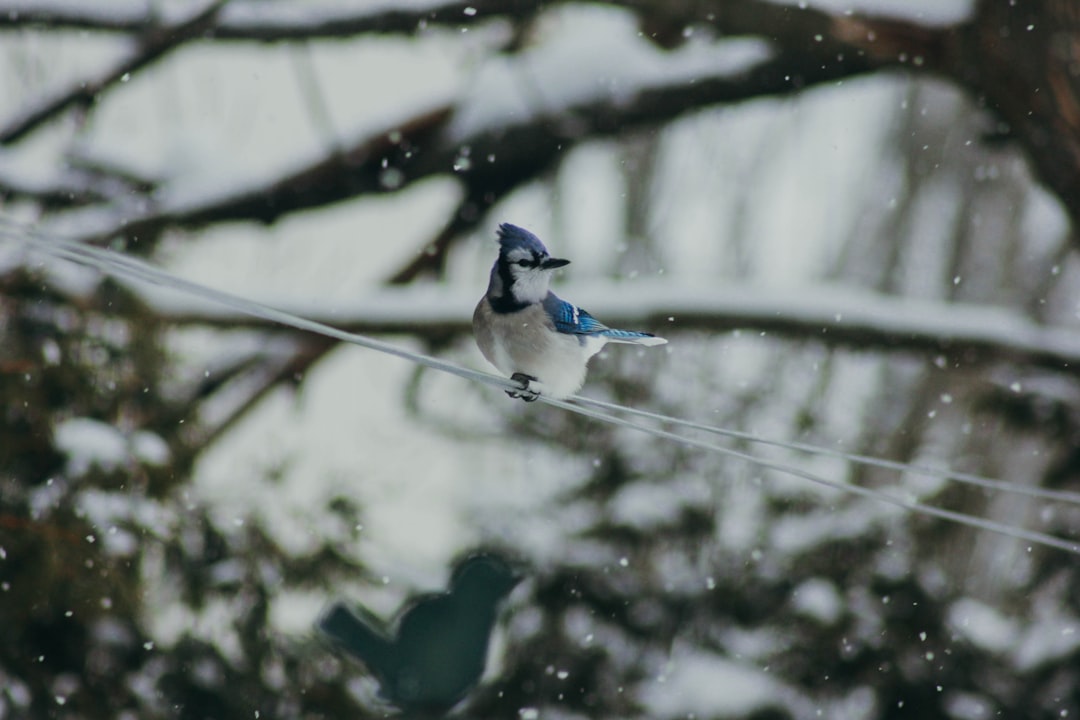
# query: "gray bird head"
{"type": "Point", "coordinates": [522, 273]}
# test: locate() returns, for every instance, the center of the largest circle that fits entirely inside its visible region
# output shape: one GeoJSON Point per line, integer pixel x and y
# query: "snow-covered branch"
{"type": "Point", "coordinates": [502, 133]}
{"type": "Point", "coordinates": [152, 44]}
{"type": "Point", "coordinates": [842, 317]}
{"type": "Point", "coordinates": [1001, 54]}
{"type": "Point", "coordinates": [82, 180]}
{"type": "Point", "coordinates": [266, 22]}
{"type": "Point", "coordinates": [256, 20]}
{"type": "Point", "coordinates": [49, 192]}
{"type": "Point", "coordinates": [493, 139]}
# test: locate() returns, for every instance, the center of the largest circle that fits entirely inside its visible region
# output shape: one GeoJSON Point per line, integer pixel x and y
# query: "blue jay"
{"type": "Point", "coordinates": [529, 332]}
{"type": "Point", "coordinates": [439, 649]}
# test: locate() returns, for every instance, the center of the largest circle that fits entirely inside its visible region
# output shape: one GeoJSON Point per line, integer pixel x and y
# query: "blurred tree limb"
{"type": "Point", "coordinates": [1017, 62]}
{"type": "Point", "coordinates": [150, 45]}
{"type": "Point", "coordinates": [51, 193]}
{"type": "Point", "coordinates": [255, 20]}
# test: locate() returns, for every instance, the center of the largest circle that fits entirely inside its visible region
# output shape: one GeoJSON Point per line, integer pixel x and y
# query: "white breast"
{"type": "Point", "coordinates": [526, 342]}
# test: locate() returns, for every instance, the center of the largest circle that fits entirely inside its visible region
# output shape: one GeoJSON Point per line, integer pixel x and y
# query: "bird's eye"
{"type": "Point", "coordinates": [524, 263]}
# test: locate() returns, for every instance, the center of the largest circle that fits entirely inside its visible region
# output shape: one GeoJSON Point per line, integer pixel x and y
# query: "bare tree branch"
{"type": "Point", "coordinates": [383, 163]}
{"type": "Point", "coordinates": [229, 403]}
{"type": "Point", "coordinates": [82, 181]}
{"type": "Point", "coordinates": [1018, 60]}
{"type": "Point", "coordinates": [432, 258]}
{"type": "Point", "coordinates": [113, 17]}
{"type": "Point", "coordinates": [53, 193]}
{"type": "Point", "coordinates": [153, 44]}
{"type": "Point", "coordinates": [1024, 68]}
{"type": "Point", "coordinates": [504, 156]}
{"type": "Point", "coordinates": [114, 174]}
{"type": "Point", "coordinates": [1021, 69]}
{"type": "Point", "coordinates": [260, 21]}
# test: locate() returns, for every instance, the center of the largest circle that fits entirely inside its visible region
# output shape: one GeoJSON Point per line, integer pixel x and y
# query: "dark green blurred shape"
{"type": "Point", "coordinates": [438, 652]}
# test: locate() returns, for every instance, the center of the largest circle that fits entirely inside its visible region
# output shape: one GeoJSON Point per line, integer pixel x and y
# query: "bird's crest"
{"type": "Point", "coordinates": [512, 237]}
{"type": "Point", "coordinates": [522, 272]}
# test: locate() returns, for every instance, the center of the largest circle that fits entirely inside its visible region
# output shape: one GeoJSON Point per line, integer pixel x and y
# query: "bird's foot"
{"type": "Point", "coordinates": [525, 393]}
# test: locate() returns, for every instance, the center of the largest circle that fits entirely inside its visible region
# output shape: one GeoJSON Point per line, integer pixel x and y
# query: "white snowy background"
{"type": "Point", "coordinates": [782, 198]}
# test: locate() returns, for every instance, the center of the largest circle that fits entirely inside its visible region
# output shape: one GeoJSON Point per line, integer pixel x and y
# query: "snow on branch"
{"type": "Point", "coordinates": [832, 316]}
{"type": "Point", "coordinates": [49, 192]}
{"type": "Point", "coordinates": [1032, 90]}
{"type": "Point", "coordinates": [503, 132]}
{"type": "Point", "coordinates": [74, 14]}
{"type": "Point", "coordinates": [154, 42]}
{"type": "Point", "coordinates": [262, 21]}
{"type": "Point", "coordinates": [83, 180]}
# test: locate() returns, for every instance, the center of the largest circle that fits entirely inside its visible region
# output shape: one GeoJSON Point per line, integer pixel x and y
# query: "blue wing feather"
{"type": "Point", "coordinates": [572, 320]}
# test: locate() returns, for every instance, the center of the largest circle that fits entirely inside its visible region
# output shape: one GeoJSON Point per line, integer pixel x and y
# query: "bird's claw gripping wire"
{"type": "Point", "coordinates": [525, 393]}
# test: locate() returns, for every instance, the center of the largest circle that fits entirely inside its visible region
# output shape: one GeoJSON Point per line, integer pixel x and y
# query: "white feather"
{"type": "Point", "coordinates": [525, 342]}
{"type": "Point", "coordinates": [530, 284]}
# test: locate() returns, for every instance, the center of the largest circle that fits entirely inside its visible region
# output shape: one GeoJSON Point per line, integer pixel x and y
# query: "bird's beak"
{"type": "Point", "coordinates": [552, 263]}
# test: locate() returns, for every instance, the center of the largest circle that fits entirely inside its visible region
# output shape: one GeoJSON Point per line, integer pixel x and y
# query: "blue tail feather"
{"type": "Point", "coordinates": [629, 336]}
{"type": "Point", "coordinates": [624, 334]}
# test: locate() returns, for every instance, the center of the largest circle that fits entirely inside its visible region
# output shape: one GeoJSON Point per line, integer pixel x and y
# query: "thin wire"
{"type": "Point", "coordinates": [957, 517]}
{"type": "Point", "coordinates": [1065, 496]}
{"type": "Point", "coordinates": [118, 264]}
{"type": "Point", "coordinates": [114, 263]}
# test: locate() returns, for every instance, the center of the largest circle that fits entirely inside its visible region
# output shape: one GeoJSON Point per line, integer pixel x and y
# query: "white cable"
{"type": "Point", "coordinates": [118, 264]}
{"type": "Point", "coordinates": [113, 263]}
{"type": "Point", "coordinates": [1065, 496]}
{"type": "Point", "coordinates": [957, 517]}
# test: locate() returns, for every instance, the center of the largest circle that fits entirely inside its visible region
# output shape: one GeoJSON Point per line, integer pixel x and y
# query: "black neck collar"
{"type": "Point", "coordinates": [506, 304]}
